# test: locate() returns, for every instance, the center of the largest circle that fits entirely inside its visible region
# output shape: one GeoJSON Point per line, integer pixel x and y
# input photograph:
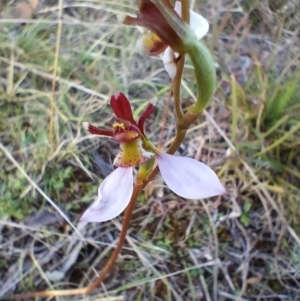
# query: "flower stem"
{"type": "Point", "coordinates": [185, 11]}
{"type": "Point", "coordinates": [180, 126]}
{"type": "Point", "coordinates": [176, 88]}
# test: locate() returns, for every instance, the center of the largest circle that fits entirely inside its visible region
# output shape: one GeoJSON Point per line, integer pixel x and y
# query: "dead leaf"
{"type": "Point", "coordinates": [34, 4]}
{"type": "Point", "coordinates": [253, 280]}
{"type": "Point", "coordinates": [23, 10]}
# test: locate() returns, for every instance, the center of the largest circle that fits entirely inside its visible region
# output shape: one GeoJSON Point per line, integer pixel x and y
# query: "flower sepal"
{"type": "Point", "coordinates": [161, 34]}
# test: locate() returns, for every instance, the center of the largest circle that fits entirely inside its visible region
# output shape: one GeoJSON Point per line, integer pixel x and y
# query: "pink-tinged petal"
{"type": "Point", "coordinates": [121, 107]}
{"type": "Point", "coordinates": [168, 59]}
{"type": "Point", "coordinates": [188, 177]}
{"type": "Point", "coordinates": [198, 24]}
{"type": "Point", "coordinates": [113, 196]}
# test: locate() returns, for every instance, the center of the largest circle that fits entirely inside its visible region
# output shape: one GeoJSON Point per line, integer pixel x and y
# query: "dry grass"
{"type": "Point", "coordinates": [57, 72]}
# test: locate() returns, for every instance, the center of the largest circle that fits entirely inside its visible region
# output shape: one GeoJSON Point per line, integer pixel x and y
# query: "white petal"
{"type": "Point", "coordinates": [168, 59]}
{"type": "Point", "coordinates": [140, 47]}
{"type": "Point", "coordinates": [188, 177]}
{"type": "Point", "coordinates": [114, 195]}
{"type": "Point", "coordinates": [177, 8]}
{"type": "Point", "coordinates": [198, 24]}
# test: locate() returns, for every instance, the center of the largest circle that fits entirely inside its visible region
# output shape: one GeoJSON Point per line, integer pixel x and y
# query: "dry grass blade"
{"type": "Point", "coordinates": [22, 171]}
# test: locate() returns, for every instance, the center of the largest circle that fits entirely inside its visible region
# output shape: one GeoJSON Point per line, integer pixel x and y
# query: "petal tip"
{"type": "Point", "coordinates": [222, 190]}
{"type": "Point", "coordinates": [140, 47]}
{"type": "Point", "coordinates": [199, 25]}
{"type": "Point", "coordinates": [85, 125]}
{"type": "Point", "coordinates": [153, 101]}
{"type": "Point", "coordinates": [168, 59]}
{"type": "Point", "coordinates": [117, 94]}
{"type": "Point", "coordinates": [86, 217]}
{"type": "Point", "coordinates": [189, 178]}
{"type": "Point", "coordinates": [171, 69]}
{"type": "Point", "coordinates": [177, 8]}
{"type": "Point", "coordinates": [114, 194]}
{"type": "Point", "coordinates": [121, 17]}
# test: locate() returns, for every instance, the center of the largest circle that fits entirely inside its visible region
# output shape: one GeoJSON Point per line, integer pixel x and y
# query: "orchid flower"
{"type": "Point", "coordinates": [186, 177]}
{"type": "Point", "coordinates": [160, 38]}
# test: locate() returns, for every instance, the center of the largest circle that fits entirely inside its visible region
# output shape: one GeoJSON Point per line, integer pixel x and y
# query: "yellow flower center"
{"type": "Point", "coordinates": [131, 154]}
{"type": "Point", "coordinates": [150, 40]}
{"type": "Point", "coordinates": [119, 125]}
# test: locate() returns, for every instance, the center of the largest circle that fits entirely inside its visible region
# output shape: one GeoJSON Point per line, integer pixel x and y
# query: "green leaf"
{"type": "Point", "coordinates": [247, 206]}
{"type": "Point", "coordinates": [245, 220]}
